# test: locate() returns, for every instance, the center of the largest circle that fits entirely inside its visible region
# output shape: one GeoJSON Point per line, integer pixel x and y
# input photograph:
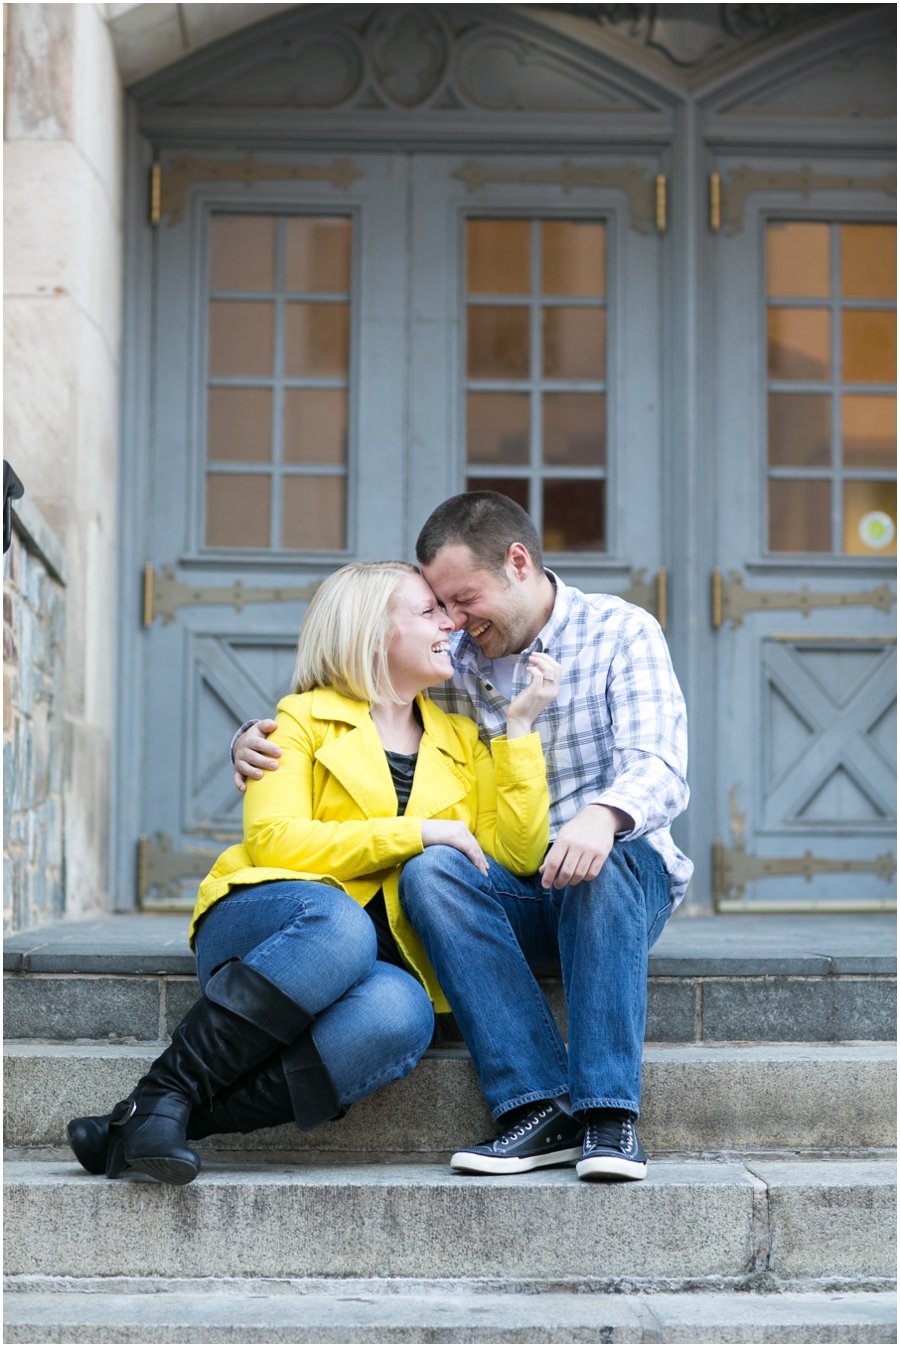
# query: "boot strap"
{"type": "Point", "coordinates": [249, 994]}
{"type": "Point", "coordinates": [161, 1106]}
{"type": "Point", "coordinates": [313, 1096]}
{"type": "Point", "coordinates": [122, 1112]}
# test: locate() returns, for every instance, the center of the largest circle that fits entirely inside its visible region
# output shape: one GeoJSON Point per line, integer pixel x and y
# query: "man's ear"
{"type": "Point", "coordinates": [518, 562]}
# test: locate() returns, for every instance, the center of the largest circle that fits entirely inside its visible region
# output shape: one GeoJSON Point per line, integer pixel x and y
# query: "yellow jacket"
{"type": "Point", "coordinates": [330, 811]}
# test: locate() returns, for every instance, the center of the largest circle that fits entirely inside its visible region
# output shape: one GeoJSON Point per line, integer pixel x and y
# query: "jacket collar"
{"type": "Point", "coordinates": [327, 704]}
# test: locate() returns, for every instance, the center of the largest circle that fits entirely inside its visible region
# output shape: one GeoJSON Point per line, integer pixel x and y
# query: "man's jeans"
{"type": "Point", "coordinates": [483, 933]}
{"type": "Point", "coordinates": [372, 1021]}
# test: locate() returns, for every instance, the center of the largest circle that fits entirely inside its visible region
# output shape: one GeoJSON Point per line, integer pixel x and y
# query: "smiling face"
{"type": "Point", "coordinates": [418, 652]}
{"type": "Point", "coordinates": [502, 612]}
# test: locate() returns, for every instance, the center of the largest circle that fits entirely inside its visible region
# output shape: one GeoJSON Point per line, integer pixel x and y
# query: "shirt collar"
{"type": "Point", "coordinates": [465, 651]}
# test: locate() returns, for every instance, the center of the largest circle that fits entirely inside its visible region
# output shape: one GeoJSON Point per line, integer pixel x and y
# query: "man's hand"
{"type": "Point", "coordinates": [253, 754]}
{"type": "Point", "coordinates": [582, 845]}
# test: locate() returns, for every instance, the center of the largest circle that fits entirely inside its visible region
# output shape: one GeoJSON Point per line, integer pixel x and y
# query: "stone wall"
{"type": "Point", "coordinates": [34, 609]}
{"type": "Point", "coordinates": [63, 167]}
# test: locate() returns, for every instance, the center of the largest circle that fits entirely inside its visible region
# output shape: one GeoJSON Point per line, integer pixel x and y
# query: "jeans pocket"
{"type": "Point", "coordinates": [659, 921]}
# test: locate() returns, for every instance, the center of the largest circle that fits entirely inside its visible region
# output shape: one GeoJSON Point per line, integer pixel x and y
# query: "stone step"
{"type": "Point", "coordinates": [696, 1099]}
{"type": "Point", "coordinates": [722, 979]}
{"type": "Point", "coordinates": [791, 1225]}
{"type": "Point", "coordinates": [351, 1312]}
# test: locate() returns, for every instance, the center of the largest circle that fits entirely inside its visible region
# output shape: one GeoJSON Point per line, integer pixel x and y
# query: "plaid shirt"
{"type": "Point", "coordinates": [616, 733]}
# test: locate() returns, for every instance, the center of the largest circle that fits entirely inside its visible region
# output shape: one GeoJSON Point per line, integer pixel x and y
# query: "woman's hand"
{"type": "Point", "coordinates": [440, 832]}
{"type": "Point", "coordinates": [531, 701]}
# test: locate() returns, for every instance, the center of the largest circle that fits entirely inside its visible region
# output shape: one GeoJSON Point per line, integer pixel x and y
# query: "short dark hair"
{"type": "Point", "coordinates": [487, 522]}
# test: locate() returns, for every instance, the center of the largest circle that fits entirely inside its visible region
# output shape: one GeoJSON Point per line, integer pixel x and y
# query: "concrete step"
{"type": "Point", "coordinates": [351, 1312]}
{"type": "Point", "coordinates": [696, 1099]}
{"type": "Point", "coordinates": [791, 1225]}
{"type": "Point", "coordinates": [722, 979]}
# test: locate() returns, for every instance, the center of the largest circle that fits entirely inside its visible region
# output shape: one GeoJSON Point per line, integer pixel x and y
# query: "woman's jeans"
{"type": "Point", "coordinates": [372, 1021]}
{"type": "Point", "coordinates": [484, 933]}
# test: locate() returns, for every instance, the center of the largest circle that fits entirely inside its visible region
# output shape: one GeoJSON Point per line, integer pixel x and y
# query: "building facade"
{"type": "Point", "coordinates": [280, 278]}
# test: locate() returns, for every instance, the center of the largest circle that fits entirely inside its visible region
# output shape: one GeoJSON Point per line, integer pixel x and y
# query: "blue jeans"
{"type": "Point", "coordinates": [372, 1021]}
{"type": "Point", "coordinates": [484, 933]}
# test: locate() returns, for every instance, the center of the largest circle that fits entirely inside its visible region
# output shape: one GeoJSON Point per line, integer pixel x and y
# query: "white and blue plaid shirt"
{"type": "Point", "coordinates": [616, 733]}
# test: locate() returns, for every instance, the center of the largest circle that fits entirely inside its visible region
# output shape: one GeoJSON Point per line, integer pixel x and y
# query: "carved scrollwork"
{"type": "Point", "coordinates": [408, 52]}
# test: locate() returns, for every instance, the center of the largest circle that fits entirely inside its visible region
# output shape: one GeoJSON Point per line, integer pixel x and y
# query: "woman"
{"type": "Point", "coordinates": [314, 983]}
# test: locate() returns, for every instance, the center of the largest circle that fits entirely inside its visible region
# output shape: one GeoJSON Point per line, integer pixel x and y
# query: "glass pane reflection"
{"type": "Point", "coordinates": [799, 516]}
{"type": "Point", "coordinates": [237, 510]}
{"type": "Point", "coordinates": [315, 425]}
{"type": "Point", "coordinates": [575, 516]}
{"type": "Point", "coordinates": [239, 425]}
{"type": "Point", "coordinates": [313, 513]}
{"type": "Point", "coordinates": [798, 343]}
{"type": "Point", "coordinates": [575, 428]}
{"type": "Point", "coordinates": [870, 518]}
{"type": "Point", "coordinates": [574, 343]}
{"type": "Point", "coordinates": [574, 258]}
{"type": "Point", "coordinates": [243, 252]}
{"type": "Point", "coordinates": [797, 260]}
{"type": "Point", "coordinates": [497, 427]}
{"type": "Point", "coordinates": [316, 340]}
{"type": "Point", "coordinates": [799, 430]}
{"type": "Point", "coordinates": [869, 261]}
{"type": "Point", "coordinates": [870, 431]}
{"type": "Point", "coordinates": [514, 487]}
{"type": "Point", "coordinates": [870, 346]}
{"type": "Point", "coordinates": [497, 343]}
{"type": "Point", "coordinates": [241, 338]}
{"type": "Point", "coordinates": [317, 253]}
{"type": "Point", "coordinates": [498, 257]}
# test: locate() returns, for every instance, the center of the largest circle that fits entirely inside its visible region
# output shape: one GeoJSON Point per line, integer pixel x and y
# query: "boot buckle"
{"type": "Point", "coordinates": [118, 1118]}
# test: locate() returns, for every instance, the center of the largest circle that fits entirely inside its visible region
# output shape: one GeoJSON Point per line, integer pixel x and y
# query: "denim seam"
{"type": "Point", "coordinates": [396, 1070]}
{"type": "Point", "coordinates": [579, 1105]}
{"type": "Point", "coordinates": [530, 1098]}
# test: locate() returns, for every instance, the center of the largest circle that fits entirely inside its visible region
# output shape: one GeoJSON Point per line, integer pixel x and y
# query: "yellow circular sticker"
{"type": "Point", "coordinates": [876, 529]}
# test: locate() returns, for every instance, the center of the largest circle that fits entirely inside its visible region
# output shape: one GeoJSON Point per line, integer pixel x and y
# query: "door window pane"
{"type": "Point", "coordinates": [237, 510]}
{"type": "Point", "coordinates": [574, 258]}
{"type": "Point", "coordinates": [574, 517]}
{"type": "Point", "coordinates": [239, 425]}
{"type": "Point", "coordinates": [870, 431]}
{"type": "Point", "coordinates": [799, 430]}
{"type": "Point", "coordinates": [799, 343]}
{"type": "Point", "coordinates": [870, 518]}
{"type": "Point", "coordinates": [498, 343]}
{"type": "Point", "coordinates": [841, 432]}
{"type": "Point", "coordinates": [241, 338]}
{"type": "Point", "coordinates": [575, 428]}
{"type": "Point", "coordinates": [514, 487]}
{"type": "Point", "coordinates": [497, 257]}
{"type": "Point", "coordinates": [242, 251]}
{"type": "Point", "coordinates": [869, 346]}
{"type": "Point", "coordinates": [868, 261]}
{"type": "Point", "coordinates": [315, 425]}
{"type": "Point", "coordinates": [314, 513]}
{"type": "Point", "coordinates": [295, 335]}
{"type": "Point", "coordinates": [800, 516]}
{"type": "Point", "coordinates": [317, 253]}
{"type": "Point", "coordinates": [316, 341]}
{"type": "Point", "coordinates": [497, 427]}
{"type": "Point", "coordinates": [797, 260]}
{"type": "Point", "coordinates": [539, 405]}
{"type": "Point", "coordinates": [574, 343]}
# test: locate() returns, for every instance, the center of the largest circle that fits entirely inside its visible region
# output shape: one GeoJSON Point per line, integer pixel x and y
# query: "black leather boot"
{"type": "Point", "coordinates": [290, 1086]}
{"type": "Point", "coordinates": [236, 1024]}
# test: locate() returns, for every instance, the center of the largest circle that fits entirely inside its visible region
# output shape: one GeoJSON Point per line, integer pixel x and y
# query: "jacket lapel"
{"type": "Point", "coordinates": [439, 782]}
{"type": "Point", "coordinates": [356, 757]}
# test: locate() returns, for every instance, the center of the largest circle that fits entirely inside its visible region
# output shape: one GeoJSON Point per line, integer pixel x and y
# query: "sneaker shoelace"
{"type": "Point", "coordinates": [616, 1132]}
{"type": "Point", "coordinates": [520, 1128]}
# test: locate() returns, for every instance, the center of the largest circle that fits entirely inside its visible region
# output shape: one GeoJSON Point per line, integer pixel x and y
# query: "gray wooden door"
{"type": "Point", "coordinates": [806, 542]}
{"type": "Point", "coordinates": [339, 345]}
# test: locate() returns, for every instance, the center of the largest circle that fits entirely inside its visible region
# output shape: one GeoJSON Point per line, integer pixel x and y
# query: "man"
{"type": "Point", "coordinates": [615, 742]}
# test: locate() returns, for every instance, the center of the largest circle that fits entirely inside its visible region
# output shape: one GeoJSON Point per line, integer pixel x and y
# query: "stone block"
{"type": "Point", "coordinates": [671, 1010]}
{"type": "Point", "coordinates": [832, 1219]}
{"type": "Point", "coordinates": [798, 1010]}
{"type": "Point", "coordinates": [364, 1220]}
{"type": "Point", "coordinates": [68, 1008]}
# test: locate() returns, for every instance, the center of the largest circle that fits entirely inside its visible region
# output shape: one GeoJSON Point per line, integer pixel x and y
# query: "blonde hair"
{"type": "Point", "coordinates": [345, 633]}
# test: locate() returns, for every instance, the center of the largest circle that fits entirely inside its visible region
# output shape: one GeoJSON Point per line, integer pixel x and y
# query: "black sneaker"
{"type": "Point", "coordinates": [546, 1136]}
{"type": "Point", "coordinates": [611, 1151]}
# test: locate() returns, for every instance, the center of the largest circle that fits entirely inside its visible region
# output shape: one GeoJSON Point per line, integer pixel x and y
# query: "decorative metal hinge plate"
{"type": "Point", "coordinates": [164, 872]}
{"type": "Point", "coordinates": [164, 595]}
{"type": "Point", "coordinates": [649, 594]}
{"type": "Point", "coordinates": [734, 868]}
{"type": "Point", "coordinates": [742, 181]}
{"type": "Point", "coordinates": [644, 193]}
{"type": "Point", "coordinates": [181, 173]}
{"type": "Point", "coordinates": [731, 600]}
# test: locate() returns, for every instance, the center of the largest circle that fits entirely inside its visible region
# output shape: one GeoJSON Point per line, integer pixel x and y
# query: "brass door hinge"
{"type": "Point", "coordinates": [715, 202]}
{"type": "Point", "coordinates": [731, 600]}
{"type": "Point", "coordinates": [734, 868]}
{"type": "Point", "coordinates": [164, 595]}
{"type": "Point", "coordinates": [649, 594]}
{"type": "Point", "coordinates": [155, 192]}
{"type": "Point", "coordinates": [165, 872]}
{"type": "Point", "coordinates": [660, 203]}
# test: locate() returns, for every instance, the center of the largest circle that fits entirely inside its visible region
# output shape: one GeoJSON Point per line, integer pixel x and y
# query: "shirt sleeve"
{"type": "Point", "coordinates": [247, 725]}
{"type": "Point", "coordinates": [649, 728]}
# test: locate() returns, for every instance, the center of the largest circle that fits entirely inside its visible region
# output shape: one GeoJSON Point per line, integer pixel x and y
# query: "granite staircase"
{"type": "Point", "coordinates": [767, 1214]}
